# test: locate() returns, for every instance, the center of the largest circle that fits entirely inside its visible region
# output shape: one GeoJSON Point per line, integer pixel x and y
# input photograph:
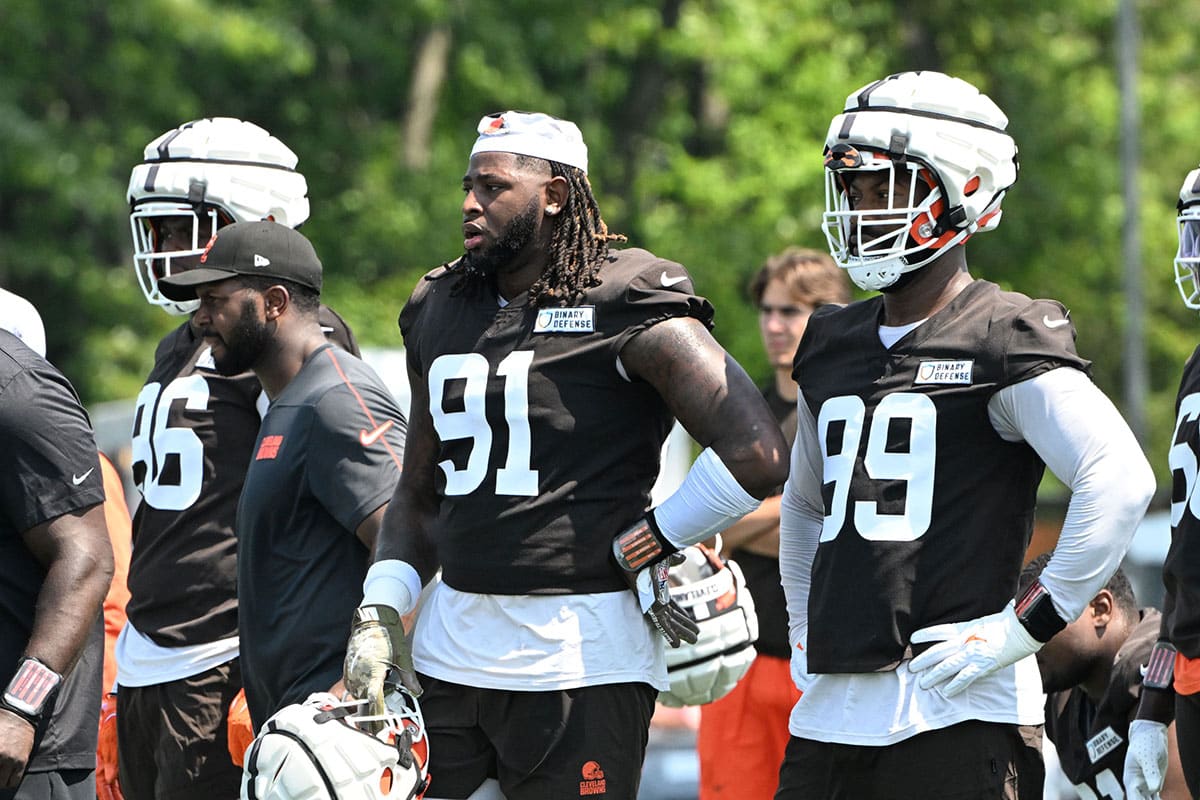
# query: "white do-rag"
{"type": "Point", "coordinates": [19, 317]}
{"type": "Point", "coordinates": [532, 134]}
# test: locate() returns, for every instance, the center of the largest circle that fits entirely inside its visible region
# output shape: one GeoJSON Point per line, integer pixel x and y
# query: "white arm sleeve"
{"type": "Point", "coordinates": [801, 517]}
{"type": "Point", "coordinates": [1086, 443]}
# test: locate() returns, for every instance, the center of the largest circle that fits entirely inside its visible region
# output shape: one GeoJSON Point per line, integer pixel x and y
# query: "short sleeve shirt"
{"type": "Point", "coordinates": [328, 455]}
{"type": "Point", "coordinates": [51, 469]}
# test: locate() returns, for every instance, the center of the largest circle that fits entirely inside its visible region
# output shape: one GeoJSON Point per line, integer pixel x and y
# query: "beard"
{"type": "Point", "coordinates": [515, 237]}
{"type": "Point", "coordinates": [245, 344]}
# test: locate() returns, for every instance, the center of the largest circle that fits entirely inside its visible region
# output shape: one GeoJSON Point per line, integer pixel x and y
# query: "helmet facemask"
{"type": "Point", "coordinates": [878, 245]}
{"type": "Point", "coordinates": [1187, 257]}
{"type": "Point", "coordinates": [212, 172]}
{"type": "Point", "coordinates": [152, 264]}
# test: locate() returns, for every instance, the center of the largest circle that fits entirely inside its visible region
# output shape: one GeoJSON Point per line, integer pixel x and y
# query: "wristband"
{"type": "Point", "coordinates": [1035, 611]}
{"type": "Point", "coordinates": [30, 690]}
{"type": "Point", "coordinates": [641, 544]}
{"type": "Point", "coordinates": [392, 582]}
{"type": "Point", "coordinates": [1159, 672]}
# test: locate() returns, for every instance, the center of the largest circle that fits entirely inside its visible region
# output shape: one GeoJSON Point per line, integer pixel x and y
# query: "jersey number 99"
{"type": "Point", "coordinates": [840, 427]}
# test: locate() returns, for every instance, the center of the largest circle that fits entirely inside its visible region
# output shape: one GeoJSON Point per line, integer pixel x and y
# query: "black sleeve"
{"type": "Point", "coordinates": [51, 462]}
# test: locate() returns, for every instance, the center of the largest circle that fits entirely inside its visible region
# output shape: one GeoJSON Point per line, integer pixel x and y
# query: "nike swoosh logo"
{"type": "Point", "coordinates": [370, 438]}
{"type": "Point", "coordinates": [1054, 323]}
{"type": "Point", "coordinates": [669, 282]}
{"type": "Point", "coordinates": [78, 479]}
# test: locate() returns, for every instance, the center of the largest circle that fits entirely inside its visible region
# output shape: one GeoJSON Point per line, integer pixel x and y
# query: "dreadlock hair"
{"type": "Point", "coordinates": [578, 244]}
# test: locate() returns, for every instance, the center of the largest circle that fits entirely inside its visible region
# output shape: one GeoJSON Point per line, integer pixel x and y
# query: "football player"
{"type": "Point", "coordinates": [1091, 673]}
{"type": "Point", "coordinates": [1173, 671]}
{"type": "Point", "coordinates": [193, 436]}
{"type": "Point", "coordinates": [927, 416]}
{"type": "Point", "coordinates": [546, 368]}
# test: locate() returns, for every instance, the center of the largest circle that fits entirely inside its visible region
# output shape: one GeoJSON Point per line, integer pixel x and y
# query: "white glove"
{"type": "Point", "coordinates": [1145, 759]}
{"type": "Point", "coordinates": [799, 667]}
{"type": "Point", "coordinates": [971, 650]}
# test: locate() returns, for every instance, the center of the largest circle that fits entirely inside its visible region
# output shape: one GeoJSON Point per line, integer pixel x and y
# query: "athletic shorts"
{"type": "Point", "coordinates": [172, 738]}
{"type": "Point", "coordinates": [572, 743]}
{"type": "Point", "coordinates": [969, 761]}
{"type": "Point", "coordinates": [744, 734]}
{"type": "Point", "coordinates": [1187, 732]}
{"type": "Point", "coordinates": [63, 784]}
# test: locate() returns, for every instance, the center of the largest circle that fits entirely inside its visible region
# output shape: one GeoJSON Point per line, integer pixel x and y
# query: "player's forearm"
{"type": "Point", "coordinates": [72, 593]}
{"type": "Point", "coordinates": [1097, 456]}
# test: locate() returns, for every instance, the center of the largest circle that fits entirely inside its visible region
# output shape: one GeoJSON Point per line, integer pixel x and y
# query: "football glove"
{"type": "Point", "coordinates": [239, 728]}
{"type": "Point", "coordinates": [1145, 760]}
{"type": "Point", "coordinates": [799, 668]}
{"type": "Point", "coordinates": [377, 643]}
{"type": "Point", "coordinates": [107, 785]}
{"type": "Point", "coordinates": [645, 558]}
{"type": "Point", "coordinates": [970, 650]}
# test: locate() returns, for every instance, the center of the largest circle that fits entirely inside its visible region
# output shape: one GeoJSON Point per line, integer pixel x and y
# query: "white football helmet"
{"type": "Point", "coordinates": [713, 592]}
{"type": "Point", "coordinates": [214, 172]}
{"type": "Point", "coordinates": [949, 138]}
{"type": "Point", "coordinates": [324, 749]}
{"type": "Point", "coordinates": [1187, 257]}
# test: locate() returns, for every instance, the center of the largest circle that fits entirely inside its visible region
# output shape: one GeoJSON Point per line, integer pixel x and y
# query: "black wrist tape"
{"type": "Point", "coordinates": [1036, 612]}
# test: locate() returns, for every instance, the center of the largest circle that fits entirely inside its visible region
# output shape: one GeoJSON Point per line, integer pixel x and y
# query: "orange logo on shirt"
{"type": "Point", "coordinates": [593, 780]}
{"type": "Point", "coordinates": [269, 448]}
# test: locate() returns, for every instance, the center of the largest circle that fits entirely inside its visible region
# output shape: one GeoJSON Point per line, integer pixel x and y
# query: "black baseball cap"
{"type": "Point", "coordinates": [249, 248]}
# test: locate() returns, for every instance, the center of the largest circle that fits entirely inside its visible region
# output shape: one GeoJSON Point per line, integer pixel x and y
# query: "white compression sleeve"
{"type": "Point", "coordinates": [708, 501]}
{"type": "Point", "coordinates": [801, 518]}
{"type": "Point", "coordinates": [393, 583]}
{"type": "Point", "coordinates": [1086, 443]}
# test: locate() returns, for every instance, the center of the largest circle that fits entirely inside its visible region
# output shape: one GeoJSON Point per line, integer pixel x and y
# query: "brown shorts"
{"type": "Point", "coordinates": [172, 739]}
{"type": "Point", "coordinates": [969, 761]}
{"type": "Point", "coordinates": [561, 744]}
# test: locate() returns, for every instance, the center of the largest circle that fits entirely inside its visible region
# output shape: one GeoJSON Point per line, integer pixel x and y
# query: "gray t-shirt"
{"type": "Point", "coordinates": [328, 455]}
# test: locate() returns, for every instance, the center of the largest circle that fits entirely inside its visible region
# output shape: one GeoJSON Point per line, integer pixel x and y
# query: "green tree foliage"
{"type": "Point", "coordinates": [705, 121]}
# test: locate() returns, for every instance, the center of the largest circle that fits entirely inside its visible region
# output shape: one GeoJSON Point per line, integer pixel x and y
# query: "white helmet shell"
{"type": "Point", "coordinates": [714, 593]}
{"type": "Point", "coordinates": [1187, 257]}
{"type": "Point", "coordinates": [324, 749]}
{"type": "Point", "coordinates": [215, 171]}
{"type": "Point", "coordinates": [945, 134]}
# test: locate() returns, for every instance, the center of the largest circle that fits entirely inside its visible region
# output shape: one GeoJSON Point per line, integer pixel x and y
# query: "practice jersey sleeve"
{"type": "Point", "coordinates": [357, 448]}
{"type": "Point", "coordinates": [1041, 337]}
{"type": "Point", "coordinates": [1086, 443]}
{"type": "Point", "coordinates": [51, 462]}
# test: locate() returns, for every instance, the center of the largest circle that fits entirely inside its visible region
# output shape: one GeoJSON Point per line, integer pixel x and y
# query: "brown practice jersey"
{"type": "Point", "coordinates": [1181, 570]}
{"type": "Point", "coordinates": [545, 449]}
{"type": "Point", "coordinates": [927, 510]}
{"type": "Point", "coordinates": [193, 435]}
{"type": "Point", "coordinates": [1091, 737]}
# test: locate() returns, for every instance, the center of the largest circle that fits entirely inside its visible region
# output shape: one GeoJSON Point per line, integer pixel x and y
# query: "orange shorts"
{"type": "Point", "coordinates": [743, 735]}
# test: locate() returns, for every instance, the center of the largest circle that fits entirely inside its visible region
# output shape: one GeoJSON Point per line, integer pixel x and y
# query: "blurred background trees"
{"type": "Point", "coordinates": [705, 120]}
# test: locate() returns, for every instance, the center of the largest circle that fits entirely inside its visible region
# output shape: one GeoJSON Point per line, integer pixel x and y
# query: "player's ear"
{"type": "Point", "coordinates": [557, 192]}
{"type": "Point", "coordinates": [1101, 607]}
